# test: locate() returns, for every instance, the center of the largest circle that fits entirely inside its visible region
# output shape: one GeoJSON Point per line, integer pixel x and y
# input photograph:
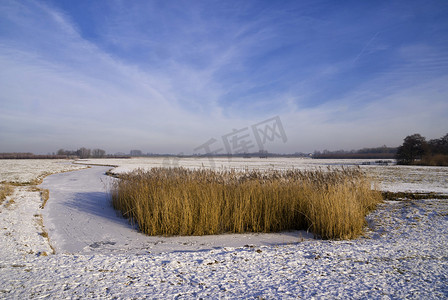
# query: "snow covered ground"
{"type": "Point", "coordinates": [27, 170]}
{"type": "Point", "coordinates": [219, 163]}
{"type": "Point", "coordinates": [420, 179]}
{"type": "Point", "coordinates": [404, 253]}
{"type": "Point", "coordinates": [392, 178]}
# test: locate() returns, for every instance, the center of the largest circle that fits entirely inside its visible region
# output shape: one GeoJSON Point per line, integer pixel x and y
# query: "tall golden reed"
{"type": "Point", "coordinates": [330, 203]}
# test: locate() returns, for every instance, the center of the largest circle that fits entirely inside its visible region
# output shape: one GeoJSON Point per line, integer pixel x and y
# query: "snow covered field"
{"type": "Point", "coordinates": [27, 170]}
{"type": "Point", "coordinates": [404, 253]}
{"type": "Point", "coordinates": [392, 178]}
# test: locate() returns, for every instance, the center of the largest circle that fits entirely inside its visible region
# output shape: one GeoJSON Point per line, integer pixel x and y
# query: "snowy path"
{"type": "Point", "coordinates": [79, 218]}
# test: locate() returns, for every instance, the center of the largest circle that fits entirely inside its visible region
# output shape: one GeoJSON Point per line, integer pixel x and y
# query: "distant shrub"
{"type": "Point", "coordinates": [331, 204]}
{"type": "Point", "coordinates": [434, 160]}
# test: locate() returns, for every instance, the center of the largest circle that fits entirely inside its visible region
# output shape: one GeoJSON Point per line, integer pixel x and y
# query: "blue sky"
{"type": "Point", "coordinates": [167, 76]}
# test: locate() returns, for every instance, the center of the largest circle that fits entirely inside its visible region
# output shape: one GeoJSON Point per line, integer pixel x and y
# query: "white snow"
{"type": "Point", "coordinates": [404, 253]}
{"type": "Point", "coordinates": [20, 225]}
{"type": "Point", "coordinates": [421, 179]}
{"type": "Point", "coordinates": [392, 178]}
{"type": "Point", "coordinates": [27, 170]}
{"type": "Point", "coordinates": [219, 163]}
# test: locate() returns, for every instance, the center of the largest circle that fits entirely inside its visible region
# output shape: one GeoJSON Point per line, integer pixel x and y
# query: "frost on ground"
{"type": "Point", "coordinates": [392, 178]}
{"type": "Point", "coordinates": [404, 254]}
{"type": "Point", "coordinates": [416, 179]}
{"type": "Point", "coordinates": [220, 163]}
{"type": "Point", "coordinates": [21, 226]}
{"type": "Point", "coordinates": [32, 170]}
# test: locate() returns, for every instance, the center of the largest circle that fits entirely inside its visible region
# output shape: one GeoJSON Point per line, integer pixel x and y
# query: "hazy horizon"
{"type": "Point", "coordinates": [177, 77]}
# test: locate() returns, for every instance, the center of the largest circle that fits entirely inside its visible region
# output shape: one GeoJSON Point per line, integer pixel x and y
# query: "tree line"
{"type": "Point", "coordinates": [83, 153]}
{"type": "Point", "coordinates": [416, 150]}
{"type": "Point", "coordinates": [28, 155]}
{"type": "Point", "coordinates": [383, 152]}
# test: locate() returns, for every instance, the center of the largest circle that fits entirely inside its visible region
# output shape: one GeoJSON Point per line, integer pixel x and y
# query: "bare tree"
{"type": "Point", "coordinates": [83, 152]}
{"type": "Point", "coordinates": [98, 153]}
{"type": "Point", "coordinates": [136, 153]}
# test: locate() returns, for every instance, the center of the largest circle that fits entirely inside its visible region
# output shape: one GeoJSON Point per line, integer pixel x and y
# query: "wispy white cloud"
{"type": "Point", "coordinates": [86, 92]}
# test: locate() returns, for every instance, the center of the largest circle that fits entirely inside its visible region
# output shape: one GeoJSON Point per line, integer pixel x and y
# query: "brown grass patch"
{"type": "Point", "coordinates": [44, 195]}
{"type": "Point", "coordinates": [9, 203]}
{"type": "Point", "coordinates": [44, 233]}
{"type": "Point", "coordinates": [435, 160]}
{"type": "Point", "coordinates": [331, 204]}
{"type": "Point", "coordinates": [5, 191]}
{"type": "Point", "coordinates": [412, 195]}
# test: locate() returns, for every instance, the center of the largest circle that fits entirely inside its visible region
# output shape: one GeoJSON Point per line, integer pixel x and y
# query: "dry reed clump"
{"type": "Point", "coordinates": [44, 195]}
{"type": "Point", "coordinates": [44, 233]}
{"type": "Point", "coordinates": [332, 204]}
{"type": "Point", "coordinates": [5, 191]}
